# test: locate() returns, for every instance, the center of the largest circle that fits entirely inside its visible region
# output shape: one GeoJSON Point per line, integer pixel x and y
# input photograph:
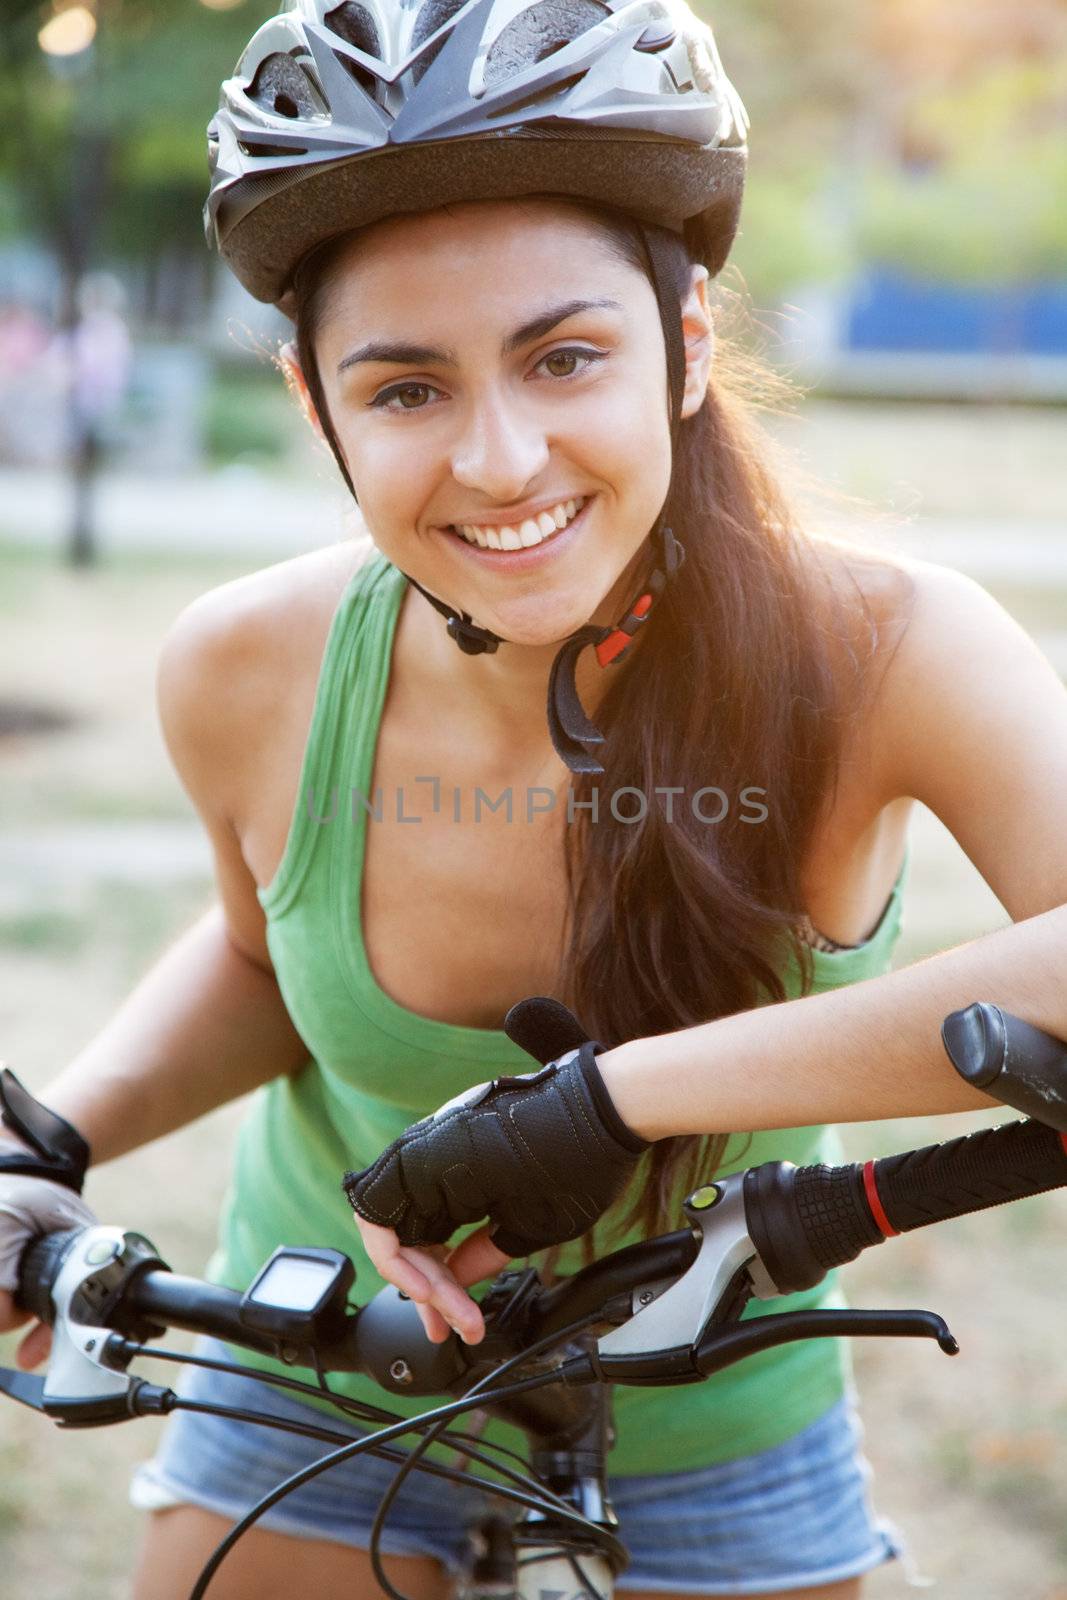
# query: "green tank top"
{"type": "Point", "coordinates": [375, 1067]}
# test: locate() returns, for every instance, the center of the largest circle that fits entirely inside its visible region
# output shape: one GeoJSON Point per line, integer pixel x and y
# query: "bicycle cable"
{"type": "Point", "coordinates": [358, 1446]}
{"type": "Point", "coordinates": [478, 1389]}
{"type": "Point", "coordinates": [539, 1497]}
{"type": "Point", "coordinates": [357, 1409]}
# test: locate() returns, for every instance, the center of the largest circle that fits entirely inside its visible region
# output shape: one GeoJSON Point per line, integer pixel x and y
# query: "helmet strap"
{"type": "Point", "coordinates": [571, 730]}
{"type": "Point", "coordinates": [472, 640]}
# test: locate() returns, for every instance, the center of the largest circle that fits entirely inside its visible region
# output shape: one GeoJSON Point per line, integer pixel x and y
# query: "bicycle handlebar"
{"type": "Point", "coordinates": [795, 1225]}
{"type": "Point", "coordinates": [805, 1220]}
{"type": "Point", "coordinates": [772, 1230]}
{"type": "Point", "coordinates": [672, 1306]}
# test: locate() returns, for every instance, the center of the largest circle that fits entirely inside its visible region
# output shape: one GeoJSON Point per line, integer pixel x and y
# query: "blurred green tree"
{"type": "Point", "coordinates": [928, 134]}
{"type": "Point", "coordinates": [105, 151]}
{"type": "Point", "coordinates": [98, 157]}
{"type": "Point", "coordinates": [983, 198]}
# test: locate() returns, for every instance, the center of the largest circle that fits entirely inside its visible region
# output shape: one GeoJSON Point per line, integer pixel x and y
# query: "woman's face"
{"type": "Point", "coordinates": [497, 381]}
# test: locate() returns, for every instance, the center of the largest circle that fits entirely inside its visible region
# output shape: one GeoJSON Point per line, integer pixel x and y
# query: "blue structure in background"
{"type": "Point", "coordinates": [894, 311]}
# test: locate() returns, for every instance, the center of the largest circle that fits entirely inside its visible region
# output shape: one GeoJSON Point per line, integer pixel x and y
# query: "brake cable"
{"type": "Point", "coordinates": [357, 1409]}
{"type": "Point", "coordinates": [433, 1434]}
{"type": "Point", "coordinates": [406, 1425]}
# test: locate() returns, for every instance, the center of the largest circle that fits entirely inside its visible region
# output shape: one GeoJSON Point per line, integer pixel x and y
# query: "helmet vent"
{"type": "Point", "coordinates": [283, 87]}
{"type": "Point", "coordinates": [537, 33]}
{"type": "Point", "coordinates": [433, 15]}
{"type": "Point", "coordinates": [260, 150]}
{"type": "Point", "coordinates": [657, 36]}
{"type": "Point", "coordinates": [354, 24]}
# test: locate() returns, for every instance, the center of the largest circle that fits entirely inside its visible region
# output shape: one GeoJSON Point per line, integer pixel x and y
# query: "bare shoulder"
{"type": "Point", "coordinates": [878, 588]}
{"type": "Point", "coordinates": [232, 661]}
{"type": "Point", "coordinates": [950, 657]}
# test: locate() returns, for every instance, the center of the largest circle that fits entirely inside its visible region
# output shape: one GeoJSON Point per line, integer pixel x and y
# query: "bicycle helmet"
{"type": "Point", "coordinates": [340, 115]}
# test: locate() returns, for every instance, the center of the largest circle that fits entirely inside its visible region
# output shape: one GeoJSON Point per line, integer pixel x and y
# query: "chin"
{"type": "Point", "coordinates": [537, 626]}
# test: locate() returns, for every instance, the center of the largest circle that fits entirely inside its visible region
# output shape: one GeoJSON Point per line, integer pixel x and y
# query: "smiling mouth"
{"type": "Point", "coordinates": [533, 531]}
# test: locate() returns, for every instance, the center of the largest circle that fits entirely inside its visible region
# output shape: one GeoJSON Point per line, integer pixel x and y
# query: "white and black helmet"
{"type": "Point", "coordinates": [340, 115]}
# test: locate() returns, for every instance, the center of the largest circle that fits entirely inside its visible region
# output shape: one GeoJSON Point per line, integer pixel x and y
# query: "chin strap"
{"type": "Point", "coordinates": [472, 640]}
{"type": "Point", "coordinates": [570, 728]}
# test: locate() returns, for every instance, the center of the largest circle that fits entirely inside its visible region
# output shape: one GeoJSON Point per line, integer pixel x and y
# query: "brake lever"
{"type": "Point", "coordinates": [722, 1347]}
{"type": "Point", "coordinates": [691, 1328]}
{"type": "Point", "coordinates": [658, 1342]}
{"type": "Point", "coordinates": [83, 1388]}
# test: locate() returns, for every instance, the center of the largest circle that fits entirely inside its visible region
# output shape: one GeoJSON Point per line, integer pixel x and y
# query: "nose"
{"type": "Point", "coordinates": [501, 448]}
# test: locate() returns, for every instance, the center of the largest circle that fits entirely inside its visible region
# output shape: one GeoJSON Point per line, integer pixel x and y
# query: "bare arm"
{"type": "Point", "coordinates": [207, 1023]}
{"type": "Point", "coordinates": [851, 1055]}
{"type": "Point", "coordinates": [973, 724]}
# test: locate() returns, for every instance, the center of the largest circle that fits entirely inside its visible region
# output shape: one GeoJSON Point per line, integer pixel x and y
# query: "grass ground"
{"type": "Point", "coordinates": [970, 1455]}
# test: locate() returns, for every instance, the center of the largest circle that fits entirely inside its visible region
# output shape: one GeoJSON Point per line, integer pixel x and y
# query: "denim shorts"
{"type": "Point", "coordinates": [792, 1517]}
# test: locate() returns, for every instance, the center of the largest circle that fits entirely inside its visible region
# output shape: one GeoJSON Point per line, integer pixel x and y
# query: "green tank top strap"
{"type": "Point", "coordinates": [354, 672]}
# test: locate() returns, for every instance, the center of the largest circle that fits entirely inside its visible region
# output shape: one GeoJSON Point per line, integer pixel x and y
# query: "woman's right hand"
{"type": "Point", "coordinates": [30, 1207]}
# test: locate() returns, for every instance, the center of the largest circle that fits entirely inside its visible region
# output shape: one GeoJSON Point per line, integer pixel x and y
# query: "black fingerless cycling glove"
{"type": "Point", "coordinates": [542, 1156]}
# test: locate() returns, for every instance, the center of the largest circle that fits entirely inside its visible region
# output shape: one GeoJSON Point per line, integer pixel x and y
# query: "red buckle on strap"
{"type": "Point", "coordinates": [618, 641]}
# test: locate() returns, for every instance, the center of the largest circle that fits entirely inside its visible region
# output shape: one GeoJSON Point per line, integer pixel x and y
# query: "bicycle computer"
{"type": "Point", "coordinates": [297, 1293]}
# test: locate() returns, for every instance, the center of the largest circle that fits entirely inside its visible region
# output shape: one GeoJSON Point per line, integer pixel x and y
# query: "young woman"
{"type": "Point", "coordinates": [494, 231]}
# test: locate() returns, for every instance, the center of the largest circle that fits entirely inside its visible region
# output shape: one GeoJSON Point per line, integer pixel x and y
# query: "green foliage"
{"type": "Point", "coordinates": [49, 930]}
{"type": "Point", "coordinates": [992, 206]}
{"type": "Point", "coordinates": [144, 92]}
{"type": "Point", "coordinates": [789, 235]}
{"type": "Point", "coordinates": [248, 418]}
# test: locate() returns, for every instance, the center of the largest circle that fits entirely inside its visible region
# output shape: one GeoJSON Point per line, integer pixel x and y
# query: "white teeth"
{"type": "Point", "coordinates": [535, 530]}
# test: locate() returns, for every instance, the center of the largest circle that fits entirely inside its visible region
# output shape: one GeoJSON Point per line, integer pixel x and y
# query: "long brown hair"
{"type": "Point", "coordinates": [756, 662]}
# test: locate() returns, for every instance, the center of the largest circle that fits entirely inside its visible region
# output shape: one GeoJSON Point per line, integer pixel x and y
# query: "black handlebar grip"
{"type": "Point", "coordinates": [1010, 1059]}
{"type": "Point", "coordinates": [39, 1268]}
{"type": "Point", "coordinates": [805, 1220]}
{"type": "Point", "coordinates": [983, 1169]}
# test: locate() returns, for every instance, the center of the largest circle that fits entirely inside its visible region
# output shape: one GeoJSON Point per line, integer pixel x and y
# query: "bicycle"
{"type": "Point", "coordinates": [664, 1311]}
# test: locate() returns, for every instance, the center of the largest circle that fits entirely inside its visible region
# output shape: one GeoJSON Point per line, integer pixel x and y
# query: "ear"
{"type": "Point", "coordinates": [293, 373]}
{"type": "Point", "coordinates": [699, 334]}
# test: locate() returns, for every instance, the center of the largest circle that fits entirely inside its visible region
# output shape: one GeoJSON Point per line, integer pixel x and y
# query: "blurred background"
{"type": "Point", "coordinates": [904, 258]}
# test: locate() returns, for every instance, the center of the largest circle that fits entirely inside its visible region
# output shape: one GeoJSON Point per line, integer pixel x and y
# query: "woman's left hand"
{"type": "Point", "coordinates": [541, 1155]}
{"type": "Point", "coordinates": [436, 1278]}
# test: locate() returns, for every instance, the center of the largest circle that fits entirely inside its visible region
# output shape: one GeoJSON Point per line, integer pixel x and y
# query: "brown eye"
{"type": "Point", "coordinates": [411, 396]}
{"type": "Point", "coordinates": [562, 363]}
{"type": "Point", "coordinates": [404, 397]}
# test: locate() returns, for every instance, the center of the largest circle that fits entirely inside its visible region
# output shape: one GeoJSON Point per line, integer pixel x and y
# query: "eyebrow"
{"type": "Point", "coordinates": [417, 355]}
